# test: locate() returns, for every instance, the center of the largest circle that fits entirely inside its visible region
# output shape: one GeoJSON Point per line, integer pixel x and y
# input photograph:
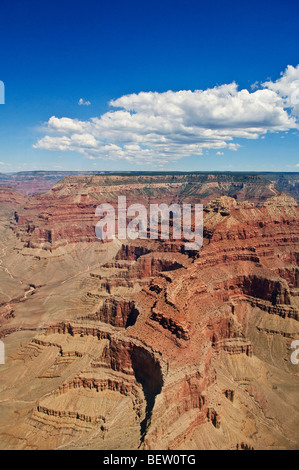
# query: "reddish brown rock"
{"type": "Point", "coordinates": [197, 343]}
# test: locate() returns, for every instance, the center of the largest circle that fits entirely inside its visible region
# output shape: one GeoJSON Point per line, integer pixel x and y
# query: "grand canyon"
{"type": "Point", "coordinates": [140, 344]}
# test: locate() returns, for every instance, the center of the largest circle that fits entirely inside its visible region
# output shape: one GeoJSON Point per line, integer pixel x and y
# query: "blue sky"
{"type": "Point", "coordinates": [106, 53]}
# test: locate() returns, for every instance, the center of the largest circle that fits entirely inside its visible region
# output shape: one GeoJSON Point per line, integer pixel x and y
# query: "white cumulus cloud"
{"type": "Point", "coordinates": [288, 88]}
{"type": "Point", "coordinates": [82, 102]}
{"type": "Point", "coordinates": [156, 127]}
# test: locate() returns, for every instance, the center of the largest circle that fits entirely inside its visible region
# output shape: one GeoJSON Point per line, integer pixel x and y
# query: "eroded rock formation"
{"type": "Point", "coordinates": [149, 346]}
